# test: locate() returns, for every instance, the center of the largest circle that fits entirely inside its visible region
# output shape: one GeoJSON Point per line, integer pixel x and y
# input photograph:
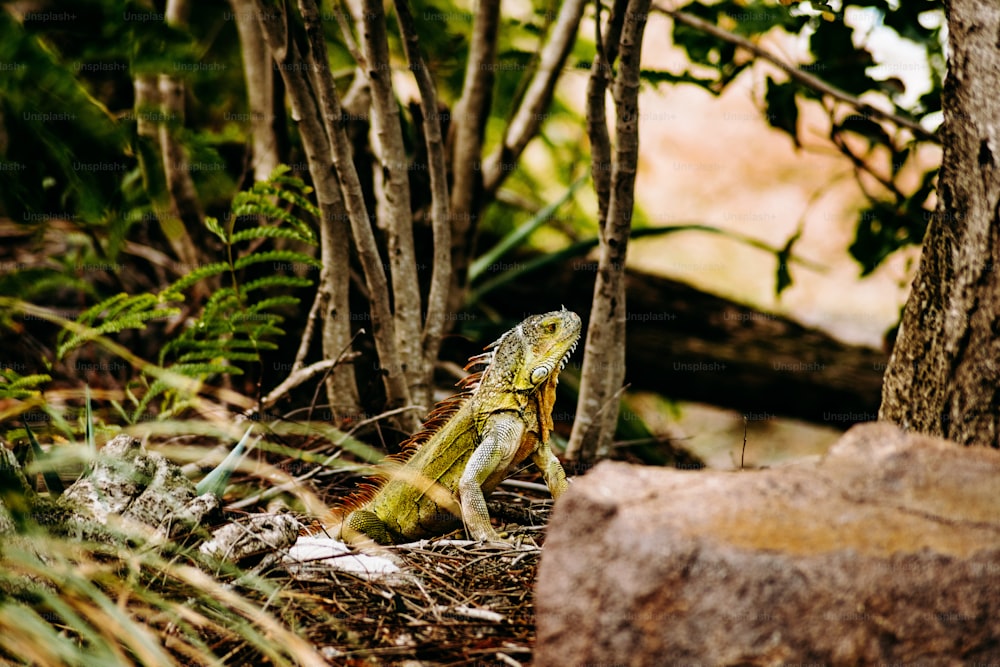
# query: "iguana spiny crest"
{"type": "Point", "coordinates": [474, 440]}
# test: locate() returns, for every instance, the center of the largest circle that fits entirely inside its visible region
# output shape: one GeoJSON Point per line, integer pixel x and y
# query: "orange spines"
{"type": "Point", "coordinates": [361, 496]}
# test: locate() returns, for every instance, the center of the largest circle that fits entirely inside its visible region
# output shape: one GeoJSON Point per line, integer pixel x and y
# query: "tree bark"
{"type": "Point", "coordinates": [468, 124]}
{"type": "Point", "coordinates": [437, 297]}
{"type": "Point", "coordinates": [604, 358]}
{"type": "Point", "coordinates": [397, 390]}
{"type": "Point", "coordinates": [176, 168]}
{"type": "Point", "coordinates": [332, 292]}
{"type": "Point", "coordinates": [395, 199]}
{"type": "Point", "coordinates": [258, 73]}
{"type": "Point", "coordinates": [944, 374]}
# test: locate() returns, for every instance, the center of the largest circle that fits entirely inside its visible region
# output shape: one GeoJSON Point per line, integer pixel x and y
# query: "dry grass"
{"type": "Point", "coordinates": [67, 600]}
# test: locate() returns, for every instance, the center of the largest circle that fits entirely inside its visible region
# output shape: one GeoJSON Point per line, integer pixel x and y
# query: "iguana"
{"type": "Point", "coordinates": [472, 441]}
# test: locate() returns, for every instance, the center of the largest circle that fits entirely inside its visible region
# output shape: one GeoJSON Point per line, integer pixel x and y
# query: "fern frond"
{"type": "Point", "coordinates": [156, 389]}
{"type": "Point", "coordinates": [124, 314]}
{"type": "Point", "coordinates": [253, 204]}
{"type": "Point", "coordinates": [228, 355]}
{"type": "Point", "coordinates": [278, 172]}
{"type": "Point", "coordinates": [273, 302]}
{"type": "Point", "coordinates": [267, 330]}
{"type": "Point", "coordinates": [16, 386]}
{"type": "Point", "coordinates": [91, 314]}
{"type": "Point", "coordinates": [283, 260]}
{"type": "Point", "coordinates": [200, 273]}
{"type": "Point", "coordinates": [272, 233]}
{"type": "Point", "coordinates": [222, 297]}
{"type": "Point", "coordinates": [280, 281]}
{"type": "Point", "coordinates": [291, 194]}
{"type": "Point", "coordinates": [212, 224]}
{"type": "Point", "coordinates": [204, 370]}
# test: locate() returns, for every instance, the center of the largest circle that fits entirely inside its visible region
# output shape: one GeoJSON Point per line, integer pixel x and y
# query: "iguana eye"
{"type": "Point", "coordinates": [539, 374]}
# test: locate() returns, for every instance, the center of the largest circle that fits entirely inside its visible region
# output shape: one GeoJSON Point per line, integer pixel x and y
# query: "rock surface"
{"type": "Point", "coordinates": [127, 481]}
{"type": "Point", "coordinates": [887, 551]}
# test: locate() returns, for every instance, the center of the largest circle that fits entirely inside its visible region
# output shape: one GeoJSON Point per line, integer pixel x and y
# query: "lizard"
{"type": "Point", "coordinates": [471, 442]}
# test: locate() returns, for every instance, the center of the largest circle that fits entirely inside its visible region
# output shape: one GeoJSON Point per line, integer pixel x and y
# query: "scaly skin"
{"type": "Point", "coordinates": [506, 419]}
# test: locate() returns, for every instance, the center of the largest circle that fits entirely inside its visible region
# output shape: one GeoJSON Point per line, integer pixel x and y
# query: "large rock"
{"type": "Point", "coordinates": [887, 551]}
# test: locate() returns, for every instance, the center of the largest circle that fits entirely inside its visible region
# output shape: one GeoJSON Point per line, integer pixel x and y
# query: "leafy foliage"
{"type": "Point", "coordinates": [114, 315]}
{"type": "Point", "coordinates": [839, 36]}
{"type": "Point", "coordinates": [241, 317]}
{"type": "Point", "coordinates": [16, 386]}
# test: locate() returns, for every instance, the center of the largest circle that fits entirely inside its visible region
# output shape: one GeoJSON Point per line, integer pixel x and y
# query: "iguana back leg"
{"type": "Point", "coordinates": [362, 525]}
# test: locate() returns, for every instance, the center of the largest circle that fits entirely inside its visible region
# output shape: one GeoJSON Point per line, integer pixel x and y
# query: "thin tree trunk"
{"type": "Point", "coordinates": [604, 358]}
{"type": "Point", "coordinates": [383, 329]}
{"type": "Point", "coordinates": [395, 197]}
{"type": "Point", "coordinates": [528, 118]}
{"type": "Point", "coordinates": [258, 73]}
{"type": "Point", "coordinates": [185, 206]}
{"type": "Point", "coordinates": [468, 124]}
{"type": "Point", "coordinates": [943, 376]}
{"type": "Point", "coordinates": [437, 298]}
{"type": "Point", "coordinates": [332, 292]}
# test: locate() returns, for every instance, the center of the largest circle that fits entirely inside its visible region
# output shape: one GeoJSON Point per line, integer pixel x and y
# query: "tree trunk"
{"type": "Point", "coordinates": [331, 304]}
{"type": "Point", "coordinates": [604, 355]}
{"type": "Point", "coordinates": [258, 72]}
{"type": "Point", "coordinates": [466, 144]}
{"type": "Point", "coordinates": [394, 203]}
{"type": "Point", "coordinates": [944, 374]}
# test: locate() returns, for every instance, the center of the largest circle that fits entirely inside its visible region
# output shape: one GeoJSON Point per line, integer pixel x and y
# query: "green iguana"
{"type": "Point", "coordinates": [472, 441]}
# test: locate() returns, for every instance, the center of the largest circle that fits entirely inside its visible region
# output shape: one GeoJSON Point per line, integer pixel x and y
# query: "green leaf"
{"type": "Point", "coordinates": [283, 260]}
{"type": "Point", "coordinates": [783, 275]}
{"type": "Point", "coordinates": [215, 482]}
{"type": "Point", "coordinates": [198, 274]}
{"type": "Point", "coordinates": [657, 77]}
{"type": "Point", "coordinates": [782, 111]}
{"type": "Point", "coordinates": [522, 232]}
{"type": "Point", "coordinates": [212, 224]}
{"type": "Point", "coordinates": [272, 233]}
{"type": "Point", "coordinates": [279, 281]}
{"type": "Point", "coordinates": [51, 477]}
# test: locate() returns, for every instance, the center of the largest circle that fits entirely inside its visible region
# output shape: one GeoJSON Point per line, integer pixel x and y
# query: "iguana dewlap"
{"type": "Point", "coordinates": [472, 441]}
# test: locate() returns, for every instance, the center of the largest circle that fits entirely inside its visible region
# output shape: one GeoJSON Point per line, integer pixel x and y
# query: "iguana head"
{"type": "Point", "coordinates": [533, 352]}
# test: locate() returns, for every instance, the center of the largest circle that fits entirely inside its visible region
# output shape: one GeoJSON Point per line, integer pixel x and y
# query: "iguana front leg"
{"type": "Point", "coordinates": [552, 470]}
{"type": "Point", "coordinates": [501, 437]}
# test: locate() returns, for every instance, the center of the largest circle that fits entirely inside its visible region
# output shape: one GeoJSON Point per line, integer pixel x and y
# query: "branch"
{"type": "Point", "coordinates": [183, 195]}
{"type": "Point", "coordinates": [259, 77]}
{"type": "Point", "coordinates": [437, 299]}
{"type": "Point", "coordinates": [528, 118]}
{"type": "Point", "coordinates": [296, 378]}
{"type": "Point", "coordinates": [597, 119]}
{"type": "Point", "coordinates": [798, 75]}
